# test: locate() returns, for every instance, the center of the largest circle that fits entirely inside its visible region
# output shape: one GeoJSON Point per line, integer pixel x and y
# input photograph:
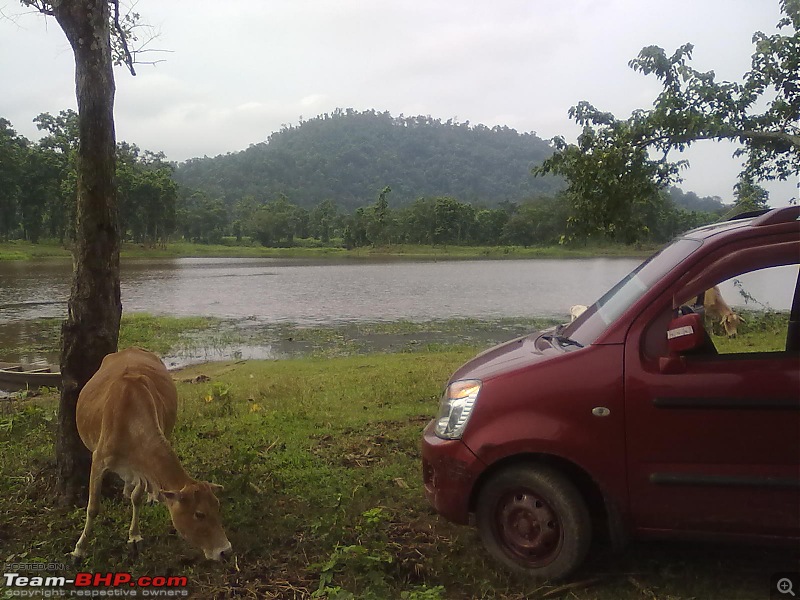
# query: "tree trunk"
{"type": "Point", "coordinates": [91, 329]}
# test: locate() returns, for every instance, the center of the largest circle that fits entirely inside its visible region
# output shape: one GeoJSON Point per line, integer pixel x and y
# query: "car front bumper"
{"type": "Point", "coordinates": [449, 472]}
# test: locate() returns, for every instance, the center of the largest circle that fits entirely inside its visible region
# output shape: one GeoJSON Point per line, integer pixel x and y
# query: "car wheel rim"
{"type": "Point", "coordinates": [528, 528]}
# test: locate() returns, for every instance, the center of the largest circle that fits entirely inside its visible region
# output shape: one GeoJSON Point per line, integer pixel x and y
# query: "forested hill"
{"type": "Point", "coordinates": [350, 156]}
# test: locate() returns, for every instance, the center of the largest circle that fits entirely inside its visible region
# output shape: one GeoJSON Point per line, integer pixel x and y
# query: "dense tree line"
{"type": "Point", "coordinates": [35, 181]}
{"type": "Point", "coordinates": [38, 185]}
{"type": "Point", "coordinates": [437, 221]}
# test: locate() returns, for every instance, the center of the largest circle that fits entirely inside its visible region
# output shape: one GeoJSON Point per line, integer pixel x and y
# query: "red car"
{"type": "Point", "coordinates": [644, 417]}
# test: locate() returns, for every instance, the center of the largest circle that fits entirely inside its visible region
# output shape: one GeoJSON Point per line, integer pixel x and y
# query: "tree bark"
{"type": "Point", "coordinates": [91, 329]}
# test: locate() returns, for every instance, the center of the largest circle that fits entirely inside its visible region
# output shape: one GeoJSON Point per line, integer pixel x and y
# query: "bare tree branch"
{"type": "Point", "coordinates": [42, 6]}
{"type": "Point", "coordinates": [123, 38]}
{"type": "Point", "coordinates": [123, 30]}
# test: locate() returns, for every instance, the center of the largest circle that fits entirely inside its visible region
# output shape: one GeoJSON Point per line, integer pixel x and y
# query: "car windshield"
{"type": "Point", "coordinates": [588, 327]}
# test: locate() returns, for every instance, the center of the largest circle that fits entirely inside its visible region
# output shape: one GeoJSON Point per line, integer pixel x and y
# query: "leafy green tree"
{"type": "Point", "coordinates": [454, 221]}
{"type": "Point", "coordinates": [13, 151]}
{"type": "Point", "coordinates": [147, 194]}
{"type": "Point", "coordinates": [243, 212]}
{"type": "Point", "coordinates": [762, 112]}
{"type": "Point", "coordinates": [355, 231]}
{"type": "Point", "coordinates": [41, 182]}
{"type": "Point", "coordinates": [60, 143]}
{"type": "Point", "coordinates": [749, 197]}
{"type": "Point", "coordinates": [275, 223]}
{"type": "Point", "coordinates": [62, 131]}
{"type": "Point", "coordinates": [670, 220]}
{"type": "Point", "coordinates": [201, 218]}
{"type": "Point", "coordinates": [300, 222]}
{"type": "Point", "coordinates": [540, 221]}
{"type": "Point", "coordinates": [441, 220]}
{"type": "Point", "coordinates": [380, 222]}
{"type": "Point", "coordinates": [614, 183]}
{"type": "Point", "coordinates": [421, 221]}
{"type": "Point", "coordinates": [323, 220]}
{"type": "Point", "coordinates": [489, 225]}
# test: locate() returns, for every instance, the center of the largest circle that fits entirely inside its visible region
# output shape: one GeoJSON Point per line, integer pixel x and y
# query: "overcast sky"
{"type": "Point", "coordinates": [237, 70]}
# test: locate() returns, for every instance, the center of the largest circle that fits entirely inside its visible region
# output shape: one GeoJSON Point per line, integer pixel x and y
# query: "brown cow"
{"type": "Point", "coordinates": [125, 414]}
{"type": "Point", "coordinates": [717, 308]}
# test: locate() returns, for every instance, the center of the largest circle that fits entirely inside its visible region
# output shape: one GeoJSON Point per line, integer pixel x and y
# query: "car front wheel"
{"type": "Point", "coordinates": [533, 520]}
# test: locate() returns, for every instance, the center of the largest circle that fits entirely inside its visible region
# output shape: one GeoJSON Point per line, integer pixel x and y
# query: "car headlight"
{"type": "Point", "coordinates": [456, 407]}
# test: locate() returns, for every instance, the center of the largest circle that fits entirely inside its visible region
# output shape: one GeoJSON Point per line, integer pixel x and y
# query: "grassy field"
{"type": "Point", "coordinates": [21, 250]}
{"type": "Point", "coordinates": [320, 462]}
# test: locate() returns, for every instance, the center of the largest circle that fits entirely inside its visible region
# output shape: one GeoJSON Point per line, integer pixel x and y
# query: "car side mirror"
{"type": "Point", "coordinates": [684, 334]}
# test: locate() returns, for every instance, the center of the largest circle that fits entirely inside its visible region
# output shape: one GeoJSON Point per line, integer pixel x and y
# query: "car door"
{"type": "Point", "coordinates": [713, 439]}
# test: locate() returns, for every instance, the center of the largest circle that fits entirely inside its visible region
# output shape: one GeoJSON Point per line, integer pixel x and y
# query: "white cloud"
{"type": "Point", "coordinates": [313, 100]}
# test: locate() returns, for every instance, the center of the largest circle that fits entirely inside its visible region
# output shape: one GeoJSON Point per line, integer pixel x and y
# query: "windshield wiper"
{"type": "Point", "coordinates": [561, 340]}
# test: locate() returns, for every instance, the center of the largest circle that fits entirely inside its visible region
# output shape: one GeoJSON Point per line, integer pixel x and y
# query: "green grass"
{"type": "Point", "coordinates": [496, 252]}
{"type": "Point", "coordinates": [159, 333]}
{"type": "Point", "coordinates": [188, 249]}
{"type": "Point", "coordinates": [21, 250]}
{"type": "Point", "coordinates": [759, 331]}
{"type": "Point", "coordinates": [320, 461]}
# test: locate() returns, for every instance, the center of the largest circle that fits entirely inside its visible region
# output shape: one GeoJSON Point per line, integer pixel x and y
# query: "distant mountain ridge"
{"type": "Point", "coordinates": [350, 156]}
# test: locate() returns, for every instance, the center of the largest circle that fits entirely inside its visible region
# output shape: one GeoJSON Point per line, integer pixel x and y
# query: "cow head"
{"type": "Point", "coordinates": [195, 515]}
{"type": "Point", "coordinates": [731, 322]}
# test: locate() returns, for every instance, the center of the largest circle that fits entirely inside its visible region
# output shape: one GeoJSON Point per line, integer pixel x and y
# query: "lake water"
{"type": "Point", "coordinates": [254, 295]}
{"type": "Point", "coordinates": [308, 292]}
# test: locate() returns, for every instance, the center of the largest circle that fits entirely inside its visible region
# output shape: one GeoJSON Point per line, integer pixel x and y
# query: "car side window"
{"type": "Point", "coordinates": [748, 313]}
{"type": "Point", "coordinates": [751, 312]}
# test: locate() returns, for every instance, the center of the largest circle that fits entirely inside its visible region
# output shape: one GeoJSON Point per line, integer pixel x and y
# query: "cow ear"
{"type": "Point", "coordinates": [170, 496]}
{"type": "Point", "coordinates": [215, 487]}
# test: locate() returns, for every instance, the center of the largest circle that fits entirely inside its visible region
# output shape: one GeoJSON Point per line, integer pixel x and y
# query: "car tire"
{"type": "Point", "coordinates": [534, 521]}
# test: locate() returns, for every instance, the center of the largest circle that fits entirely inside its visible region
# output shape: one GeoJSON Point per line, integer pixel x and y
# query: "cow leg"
{"type": "Point", "coordinates": [92, 508]}
{"type": "Point", "coordinates": [127, 490]}
{"type": "Point", "coordinates": [134, 535]}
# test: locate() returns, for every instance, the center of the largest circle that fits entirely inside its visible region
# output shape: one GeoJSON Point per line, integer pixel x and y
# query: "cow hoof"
{"type": "Point", "coordinates": [135, 546]}
{"type": "Point", "coordinates": [75, 558]}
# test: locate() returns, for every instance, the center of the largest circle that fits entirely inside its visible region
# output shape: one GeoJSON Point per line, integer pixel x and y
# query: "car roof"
{"type": "Point", "coordinates": [761, 218]}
